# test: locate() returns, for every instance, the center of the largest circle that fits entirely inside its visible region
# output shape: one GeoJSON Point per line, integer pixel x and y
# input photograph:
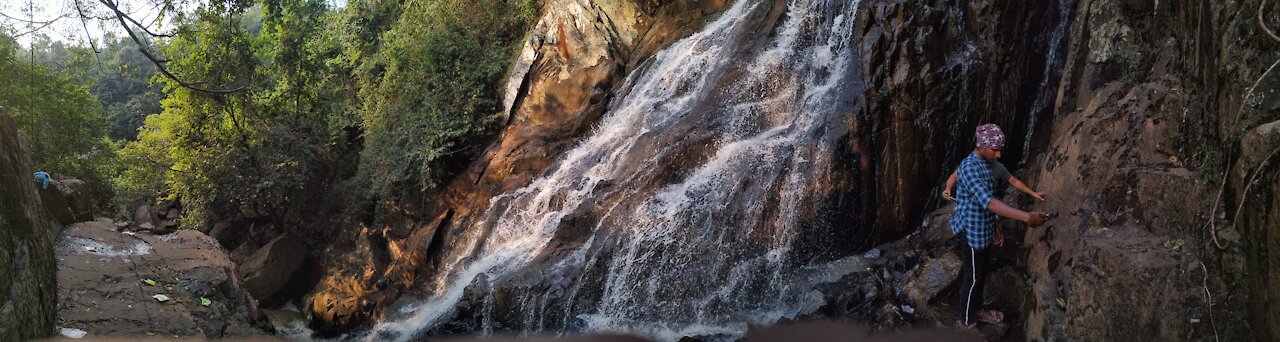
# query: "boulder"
{"type": "Point", "coordinates": [106, 282]}
{"type": "Point", "coordinates": [27, 286]}
{"type": "Point", "coordinates": [79, 199]}
{"type": "Point", "coordinates": [164, 206]}
{"type": "Point", "coordinates": [931, 277]}
{"type": "Point", "coordinates": [143, 216]}
{"type": "Point", "coordinates": [55, 203]}
{"type": "Point", "coordinates": [166, 227]}
{"type": "Point", "coordinates": [270, 268]}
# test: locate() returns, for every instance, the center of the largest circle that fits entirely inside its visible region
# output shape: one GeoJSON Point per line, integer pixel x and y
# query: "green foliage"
{"type": "Point", "coordinates": [148, 168]}
{"type": "Point", "coordinates": [123, 84]}
{"type": "Point", "coordinates": [257, 150]}
{"type": "Point", "coordinates": [397, 89]}
{"type": "Point", "coordinates": [356, 33]}
{"type": "Point", "coordinates": [204, 148]}
{"type": "Point", "coordinates": [61, 121]}
{"type": "Point", "coordinates": [119, 76]}
{"type": "Point", "coordinates": [126, 117]}
{"type": "Point", "coordinates": [443, 63]}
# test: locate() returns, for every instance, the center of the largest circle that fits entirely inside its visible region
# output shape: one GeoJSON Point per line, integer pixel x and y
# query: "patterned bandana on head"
{"type": "Point", "coordinates": [990, 136]}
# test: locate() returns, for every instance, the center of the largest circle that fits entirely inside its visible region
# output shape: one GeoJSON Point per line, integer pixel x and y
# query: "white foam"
{"type": "Point", "coordinates": [80, 245]}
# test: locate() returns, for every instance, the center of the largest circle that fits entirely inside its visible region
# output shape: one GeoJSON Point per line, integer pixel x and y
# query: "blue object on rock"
{"type": "Point", "coordinates": [874, 253]}
{"type": "Point", "coordinates": [43, 177]}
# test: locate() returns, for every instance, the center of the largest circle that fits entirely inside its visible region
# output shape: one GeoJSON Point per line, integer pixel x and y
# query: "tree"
{"type": "Point", "coordinates": [202, 145]}
{"type": "Point", "coordinates": [254, 150]}
{"type": "Point", "coordinates": [60, 119]}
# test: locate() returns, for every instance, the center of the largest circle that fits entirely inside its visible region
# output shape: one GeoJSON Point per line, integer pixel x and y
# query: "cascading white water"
{"type": "Point", "coordinates": [703, 254]}
{"type": "Point", "coordinates": [1052, 73]}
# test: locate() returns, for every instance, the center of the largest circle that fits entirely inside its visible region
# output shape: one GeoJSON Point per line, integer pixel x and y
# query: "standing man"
{"type": "Point", "coordinates": [974, 222]}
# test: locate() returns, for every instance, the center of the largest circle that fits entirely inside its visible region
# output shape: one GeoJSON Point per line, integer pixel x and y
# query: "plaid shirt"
{"type": "Point", "coordinates": [973, 192]}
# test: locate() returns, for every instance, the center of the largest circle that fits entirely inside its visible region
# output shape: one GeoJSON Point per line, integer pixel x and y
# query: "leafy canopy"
{"type": "Point", "coordinates": [60, 119]}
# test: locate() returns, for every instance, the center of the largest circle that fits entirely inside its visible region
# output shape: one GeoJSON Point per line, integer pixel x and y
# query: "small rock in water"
{"type": "Point", "coordinates": [73, 332]}
{"type": "Point", "coordinates": [874, 253]}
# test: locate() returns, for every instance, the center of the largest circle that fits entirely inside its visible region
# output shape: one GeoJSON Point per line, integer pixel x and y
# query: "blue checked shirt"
{"type": "Point", "coordinates": [973, 191]}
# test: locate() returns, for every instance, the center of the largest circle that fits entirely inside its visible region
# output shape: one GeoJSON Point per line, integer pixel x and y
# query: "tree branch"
{"type": "Point", "coordinates": [120, 17]}
{"type": "Point", "coordinates": [161, 165]}
{"type": "Point", "coordinates": [141, 26]}
{"type": "Point", "coordinates": [31, 23]}
{"type": "Point", "coordinates": [87, 35]}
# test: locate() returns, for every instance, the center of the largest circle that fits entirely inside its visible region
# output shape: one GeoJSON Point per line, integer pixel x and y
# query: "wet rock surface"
{"type": "Point", "coordinates": [933, 71]}
{"type": "Point", "coordinates": [114, 283]}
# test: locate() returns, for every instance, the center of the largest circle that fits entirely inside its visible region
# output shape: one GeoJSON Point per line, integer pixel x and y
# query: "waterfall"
{"type": "Point", "coordinates": [1046, 91]}
{"type": "Point", "coordinates": [682, 207]}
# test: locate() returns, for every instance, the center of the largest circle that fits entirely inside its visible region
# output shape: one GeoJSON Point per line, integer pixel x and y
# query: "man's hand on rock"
{"type": "Point", "coordinates": [1035, 219]}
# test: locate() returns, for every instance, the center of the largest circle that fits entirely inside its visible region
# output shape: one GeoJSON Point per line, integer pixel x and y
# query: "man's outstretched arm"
{"type": "Point", "coordinates": [998, 207]}
{"type": "Point", "coordinates": [1017, 184]}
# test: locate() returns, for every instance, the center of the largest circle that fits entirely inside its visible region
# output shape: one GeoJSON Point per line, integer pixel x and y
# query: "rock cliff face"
{"type": "Point", "coordinates": [27, 285]}
{"type": "Point", "coordinates": [1154, 95]}
{"type": "Point", "coordinates": [1255, 183]}
{"type": "Point", "coordinates": [1129, 114]}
